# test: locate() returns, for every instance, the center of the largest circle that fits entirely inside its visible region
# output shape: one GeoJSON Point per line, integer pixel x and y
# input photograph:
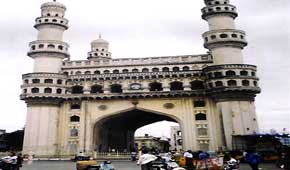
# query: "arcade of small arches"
{"type": "Point", "coordinates": [134, 70]}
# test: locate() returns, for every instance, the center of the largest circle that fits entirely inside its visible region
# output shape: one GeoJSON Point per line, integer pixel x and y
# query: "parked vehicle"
{"type": "Point", "coordinates": [232, 164]}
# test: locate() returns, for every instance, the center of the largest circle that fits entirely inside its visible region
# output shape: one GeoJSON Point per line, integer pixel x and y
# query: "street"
{"type": "Point", "coordinates": [124, 165]}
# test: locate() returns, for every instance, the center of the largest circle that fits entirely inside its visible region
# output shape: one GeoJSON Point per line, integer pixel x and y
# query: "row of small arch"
{"type": "Point", "coordinates": [46, 81]}
{"type": "Point", "coordinates": [229, 73]}
{"type": "Point", "coordinates": [218, 8]}
{"type": "Point", "coordinates": [232, 83]}
{"type": "Point", "coordinates": [45, 90]}
{"type": "Point", "coordinates": [98, 54]}
{"type": "Point", "coordinates": [48, 46]}
{"type": "Point", "coordinates": [135, 70]}
{"type": "Point", "coordinates": [56, 15]}
{"type": "Point", "coordinates": [216, 2]}
{"type": "Point", "coordinates": [58, 21]}
{"type": "Point", "coordinates": [223, 36]}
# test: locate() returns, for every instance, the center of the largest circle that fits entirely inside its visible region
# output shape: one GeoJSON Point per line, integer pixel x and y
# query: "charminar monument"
{"type": "Point", "coordinates": [96, 104]}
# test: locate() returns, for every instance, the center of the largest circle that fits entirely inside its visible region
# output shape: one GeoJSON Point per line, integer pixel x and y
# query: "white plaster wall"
{"type": "Point", "coordinates": [50, 33]}
{"type": "Point", "coordinates": [238, 119]}
{"type": "Point", "coordinates": [47, 64]}
{"type": "Point", "coordinates": [221, 22]}
{"type": "Point", "coordinates": [227, 55]}
{"type": "Point", "coordinates": [41, 130]}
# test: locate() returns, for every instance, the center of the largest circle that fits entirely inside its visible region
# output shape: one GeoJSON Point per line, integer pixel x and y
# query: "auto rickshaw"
{"type": "Point", "coordinates": [87, 165]}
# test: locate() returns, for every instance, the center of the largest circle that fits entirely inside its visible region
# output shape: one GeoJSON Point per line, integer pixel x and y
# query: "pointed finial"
{"type": "Point", "coordinates": [100, 35]}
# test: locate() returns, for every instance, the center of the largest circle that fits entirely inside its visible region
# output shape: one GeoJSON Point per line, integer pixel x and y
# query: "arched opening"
{"type": "Point", "coordinates": [35, 90]}
{"type": "Point", "coordinates": [230, 73]}
{"type": "Point", "coordinates": [155, 70]}
{"type": "Point", "coordinates": [165, 69]}
{"type": "Point", "coordinates": [145, 70]}
{"type": "Point", "coordinates": [49, 81]}
{"type": "Point", "coordinates": [74, 118]}
{"type": "Point", "coordinates": [176, 85]}
{"type": "Point", "coordinates": [219, 84]}
{"type": "Point", "coordinates": [35, 81]}
{"type": "Point", "coordinates": [155, 86]}
{"type": "Point", "coordinates": [111, 133]}
{"type": "Point", "coordinates": [97, 89]}
{"type": "Point", "coordinates": [125, 70]}
{"type": "Point", "coordinates": [47, 90]}
{"type": "Point", "coordinates": [115, 71]}
{"type": "Point", "coordinates": [197, 85]}
{"type": "Point", "coordinates": [244, 73]}
{"type": "Point", "coordinates": [232, 83]}
{"type": "Point", "coordinates": [87, 72]}
{"type": "Point", "coordinates": [74, 132]}
{"type": "Point", "coordinates": [75, 106]}
{"type": "Point", "coordinates": [135, 70]}
{"type": "Point", "coordinates": [185, 68]}
{"type": "Point", "coordinates": [116, 88]}
{"type": "Point", "coordinates": [77, 89]}
{"type": "Point", "coordinates": [200, 116]}
{"type": "Point", "coordinates": [246, 83]}
{"type": "Point", "coordinates": [175, 68]}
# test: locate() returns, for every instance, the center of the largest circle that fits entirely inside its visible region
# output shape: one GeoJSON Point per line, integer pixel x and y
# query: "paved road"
{"type": "Point", "coordinates": [67, 165]}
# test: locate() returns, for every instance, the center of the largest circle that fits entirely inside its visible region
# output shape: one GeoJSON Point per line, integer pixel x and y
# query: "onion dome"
{"type": "Point", "coordinates": [53, 4]}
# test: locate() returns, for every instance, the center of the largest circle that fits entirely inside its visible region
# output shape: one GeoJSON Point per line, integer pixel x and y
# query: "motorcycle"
{"type": "Point", "coordinates": [165, 164]}
{"type": "Point", "coordinates": [232, 165]}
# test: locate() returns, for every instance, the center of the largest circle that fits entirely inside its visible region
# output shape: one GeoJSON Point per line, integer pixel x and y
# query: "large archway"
{"type": "Point", "coordinates": [117, 131]}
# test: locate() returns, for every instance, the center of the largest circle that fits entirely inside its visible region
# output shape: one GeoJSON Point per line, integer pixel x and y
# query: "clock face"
{"type": "Point", "coordinates": [135, 86]}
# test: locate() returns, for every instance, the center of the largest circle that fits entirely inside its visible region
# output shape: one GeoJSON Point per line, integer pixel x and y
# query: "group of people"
{"type": "Point", "coordinates": [11, 162]}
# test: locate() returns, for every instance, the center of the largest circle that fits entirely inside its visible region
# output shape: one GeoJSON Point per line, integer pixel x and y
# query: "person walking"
{"type": "Point", "coordinates": [188, 160]}
{"type": "Point", "coordinates": [19, 161]}
{"type": "Point", "coordinates": [253, 159]}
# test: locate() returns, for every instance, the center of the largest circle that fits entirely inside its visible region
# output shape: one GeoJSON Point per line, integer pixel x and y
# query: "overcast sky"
{"type": "Point", "coordinates": [145, 28]}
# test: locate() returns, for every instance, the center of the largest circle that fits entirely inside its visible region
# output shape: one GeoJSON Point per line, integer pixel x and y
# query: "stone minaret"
{"type": "Point", "coordinates": [230, 82]}
{"type": "Point", "coordinates": [48, 51]}
{"type": "Point", "coordinates": [43, 89]}
{"type": "Point", "coordinates": [99, 50]}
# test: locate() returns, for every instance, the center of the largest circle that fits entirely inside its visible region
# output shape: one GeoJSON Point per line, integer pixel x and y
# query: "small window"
{"type": "Point", "coordinates": [24, 91]}
{"type": "Point", "coordinates": [218, 8]}
{"type": "Point", "coordinates": [47, 90]}
{"type": "Point", "coordinates": [78, 73]}
{"type": "Point", "coordinates": [155, 70]}
{"type": "Point", "coordinates": [33, 47]}
{"type": "Point", "coordinates": [155, 86]}
{"type": "Point", "coordinates": [245, 83]}
{"type": "Point", "coordinates": [253, 74]}
{"type": "Point", "coordinates": [75, 106]}
{"type": "Point", "coordinates": [51, 46]}
{"type": "Point", "coordinates": [125, 70]}
{"type": "Point", "coordinates": [174, 86]}
{"type": "Point", "coordinates": [199, 103]}
{"type": "Point", "coordinates": [165, 69]}
{"type": "Point", "coordinates": [77, 90]}
{"type": "Point", "coordinates": [232, 83]}
{"type": "Point", "coordinates": [224, 36]}
{"type": "Point", "coordinates": [35, 90]}
{"type": "Point", "coordinates": [106, 71]}
{"type": "Point", "coordinates": [48, 14]}
{"type": "Point", "coordinates": [59, 81]}
{"type": "Point", "coordinates": [234, 35]}
{"type": "Point", "coordinates": [175, 68]}
{"type": "Point", "coordinates": [219, 84]}
{"type": "Point", "coordinates": [56, 15]}
{"type": "Point", "coordinates": [145, 70]}
{"type": "Point", "coordinates": [35, 81]}
{"type": "Point", "coordinates": [40, 46]}
{"type": "Point", "coordinates": [255, 83]}
{"type": "Point", "coordinates": [74, 118]}
{"type": "Point", "coordinates": [26, 81]}
{"type": "Point", "coordinates": [244, 73]}
{"type": "Point", "coordinates": [230, 73]}
{"type": "Point", "coordinates": [87, 72]}
{"type": "Point", "coordinates": [200, 116]}
{"type": "Point", "coordinates": [58, 91]}
{"type": "Point", "coordinates": [116, 88]}
{"type": "Point", "coordinates": [185, 68]}
{"type": "Point", "coordinates": [115, 71]}
{"type": "Point", "coordinates": [54, 20]}
{"type": "Point", "coordinates": [97, 72]}
{"type": "Point", "coordinates": [60, 47]}
{"type": "Point", "coordinates": [135, 70]}
{"type": "Point", "coordinates": [48, 81]}
{"type": "Point", "coordinates": [197, 85]}
{"type": "Point", "coordinates": [213, 37]}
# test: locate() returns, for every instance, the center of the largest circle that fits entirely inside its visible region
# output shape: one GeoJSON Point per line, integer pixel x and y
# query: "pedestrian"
{"type": "Point", "coordinates": [188, 160]}
{"type": "Point", "coordinates": [19, 161]}
{"type": "Point", "coordinates": [253, 159]}
{"type": "Point", "coordinates": [9, 162]}
{"type": "Point", "coordinates": [145, 160]}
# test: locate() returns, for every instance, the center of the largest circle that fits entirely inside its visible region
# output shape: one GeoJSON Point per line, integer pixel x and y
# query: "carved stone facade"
{"type": "Point", "coordinates": [98, 103]}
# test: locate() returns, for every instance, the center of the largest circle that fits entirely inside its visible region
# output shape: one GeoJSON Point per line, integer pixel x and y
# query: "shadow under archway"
{"type": "Point", "coordinates": [117, 131]}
